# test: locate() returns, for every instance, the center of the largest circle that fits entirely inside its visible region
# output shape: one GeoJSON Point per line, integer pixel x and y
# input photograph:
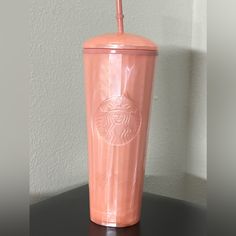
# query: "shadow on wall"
{"type": "Point", "coordinates": [169, 119]}
{"type": "Point", "coordinates": [185, 187]}
{"type": "Point", "coordinates": [38, 197]}
{"type": "Point", "coordinates": [197, 129]}
{"type": "Point", "coordinates": [172, 146]}
{"type": "Point", "coordinates": [34, 197]}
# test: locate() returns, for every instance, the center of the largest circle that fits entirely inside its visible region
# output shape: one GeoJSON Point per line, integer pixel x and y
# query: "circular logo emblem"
{"type": "Point", "coordinates": [117, 120]}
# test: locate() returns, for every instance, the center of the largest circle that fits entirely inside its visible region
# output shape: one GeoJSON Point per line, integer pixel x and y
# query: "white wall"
{"type": "Point", "coordinates": [57, 111]}
{"type": "Point", "coordinates": [197, 150]}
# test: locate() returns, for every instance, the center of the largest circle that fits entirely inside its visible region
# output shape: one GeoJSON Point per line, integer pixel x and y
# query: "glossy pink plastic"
{"type": "Point", "coordinates": [119, 72]}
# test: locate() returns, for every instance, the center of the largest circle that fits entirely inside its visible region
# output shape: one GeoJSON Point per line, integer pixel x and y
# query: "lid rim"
{"type": "Point", "coordinates": [124, 48]}
{"type": "Point", "coordinates": [120, 51]}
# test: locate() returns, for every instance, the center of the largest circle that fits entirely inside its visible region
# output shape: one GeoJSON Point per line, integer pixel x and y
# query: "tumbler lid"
{"type": "Point", "coordinates": [120, 40]}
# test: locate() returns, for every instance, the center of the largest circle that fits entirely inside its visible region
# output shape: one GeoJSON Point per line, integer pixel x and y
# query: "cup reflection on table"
{"type": "Point", "coordinates": [97, 230]}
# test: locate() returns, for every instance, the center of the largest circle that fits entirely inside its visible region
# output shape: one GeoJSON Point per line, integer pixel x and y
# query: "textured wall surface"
{"type": "Point", "coordinates": [57, 106]}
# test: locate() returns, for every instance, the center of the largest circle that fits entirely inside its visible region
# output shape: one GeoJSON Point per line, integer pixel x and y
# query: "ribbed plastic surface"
{"type": "Point", "coordinates": [118, 90]}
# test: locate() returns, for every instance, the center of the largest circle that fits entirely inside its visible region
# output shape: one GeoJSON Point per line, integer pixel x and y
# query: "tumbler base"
{"type": "Point", "coordinates": [114, 225]}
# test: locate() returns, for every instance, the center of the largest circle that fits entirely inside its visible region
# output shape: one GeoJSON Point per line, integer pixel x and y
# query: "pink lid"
{"type": "Point", "coordinates": [120, 40]}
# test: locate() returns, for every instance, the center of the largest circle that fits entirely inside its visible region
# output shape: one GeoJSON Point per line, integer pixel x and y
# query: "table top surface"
{"type": "Point", "coordinates": [68, 215]}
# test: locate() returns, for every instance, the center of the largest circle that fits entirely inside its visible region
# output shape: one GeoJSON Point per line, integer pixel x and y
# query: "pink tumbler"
{"type": "Point", "coordinates": [119, 72]}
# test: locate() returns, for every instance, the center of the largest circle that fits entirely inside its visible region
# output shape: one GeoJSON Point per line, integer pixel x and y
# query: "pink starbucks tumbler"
{"type": "Point", "coordinates": [119, 71]}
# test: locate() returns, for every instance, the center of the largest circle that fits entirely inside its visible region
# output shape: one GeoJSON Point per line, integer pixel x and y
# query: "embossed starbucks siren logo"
{"type": "Point", "coordinates": [118, 120]}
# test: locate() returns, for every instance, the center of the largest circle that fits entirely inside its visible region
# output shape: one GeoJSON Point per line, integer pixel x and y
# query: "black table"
{"type": "Point", "coordinates": [68, 215]}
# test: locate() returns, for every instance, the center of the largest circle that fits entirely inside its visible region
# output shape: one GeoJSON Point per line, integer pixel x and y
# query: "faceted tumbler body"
{"type": "Point", "coordinates": [118, 96]}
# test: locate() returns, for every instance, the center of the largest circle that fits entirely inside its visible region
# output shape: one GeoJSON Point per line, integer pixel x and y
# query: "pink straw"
{"type": "Point", "coordinates": [120, 16]}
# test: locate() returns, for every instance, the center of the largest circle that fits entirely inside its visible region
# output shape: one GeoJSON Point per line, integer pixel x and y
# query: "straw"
{"type": "Point", "coordinates": [120, 16]}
